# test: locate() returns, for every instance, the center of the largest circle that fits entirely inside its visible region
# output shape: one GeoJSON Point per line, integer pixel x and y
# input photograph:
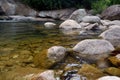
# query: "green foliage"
{"type": "Point", "coordinates": [97, 5]}
{"type": "Point", "coordinates": [100, 5]}
{"type": "Point", "coordinates": [50, 4]}
{"type": "Point", "coordinates": [115, 2]}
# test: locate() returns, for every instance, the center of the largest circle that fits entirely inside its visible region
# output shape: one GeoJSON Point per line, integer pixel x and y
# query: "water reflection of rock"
{"type": "Point", "coordinates": [70, 31]}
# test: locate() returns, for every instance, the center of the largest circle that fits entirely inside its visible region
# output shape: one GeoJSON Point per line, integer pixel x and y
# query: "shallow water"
{"type": "Point", "coordinates": [20, 42]}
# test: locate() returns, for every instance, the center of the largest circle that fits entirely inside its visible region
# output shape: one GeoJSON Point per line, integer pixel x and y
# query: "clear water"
{"type": "Point", "coordinates": [20, 42]}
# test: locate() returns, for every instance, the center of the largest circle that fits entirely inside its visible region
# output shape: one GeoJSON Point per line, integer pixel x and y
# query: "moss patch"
{"type": "Point", "coordinates": [113, 71]}
{"type": "Point", "coordinates": [90, 72]}
{"type": "Point", "coordinates": [41, 60]}
{"type": "Point", "coordinates": [115, 61]}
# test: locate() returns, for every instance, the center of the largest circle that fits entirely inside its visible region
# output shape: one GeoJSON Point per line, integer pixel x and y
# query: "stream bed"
{"type": "Point", "coordinates": [20, 42]}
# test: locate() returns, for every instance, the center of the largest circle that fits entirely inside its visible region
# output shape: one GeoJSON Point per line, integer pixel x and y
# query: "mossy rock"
{"type": "Point", "coordinates": [91, 72]}
{"type": "Point", "coordinates": [113, 71]}
{"type": "Point", "coordinates": [115, 61]}
{"type": "Point", "coordinates": [42, 61]}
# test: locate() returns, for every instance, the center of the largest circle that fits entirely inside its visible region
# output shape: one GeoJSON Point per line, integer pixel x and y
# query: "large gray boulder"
{"type": "Point", "coordinates": [112, 35]}
{"type": "Point", "coordinates": [91, 19]}
{"type": "Point", "coordinates": [94, 51]}
{"type": "Point", "coordinates": [69, 24]}
{"type": "Point", "coordinates": [112, 13]}
{"type": "Point", "coordinates": [56, 53]}
{"type": "Point", "coordinates": [78, 15]}
{"type": "Point", "coordinates": [93, 46]}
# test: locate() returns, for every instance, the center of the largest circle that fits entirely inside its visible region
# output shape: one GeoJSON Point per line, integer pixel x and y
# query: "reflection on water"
{"type": "Point", "coordinates": [16, 36]}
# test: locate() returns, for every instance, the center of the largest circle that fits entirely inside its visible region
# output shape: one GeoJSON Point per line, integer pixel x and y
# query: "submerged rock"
{"type": "Point", "coordinates": [112, 35]}
{"type": "Point", "coordinates": [78, 15]}
{"type": "Point", "coordinates": [49, 25]}
{"type": "Point", "coordinates": [90, 72]}
{"type": "Point", "coordinates": [70, 31]}
{"type": "Point", "coordinates": [69, 24]}
{"type": "Point", "coordinates": [113, 71]}
{"type": "Point", "coordinates": [41, 60]}
{"type": "Point", "coordinates": [115, 60]}
{"type": "Point", "coordinates": [56, 53]}
{"type": "Point", "coordinates": [19, 73]}
{"type": "Point", "coordinates": [109, 78]}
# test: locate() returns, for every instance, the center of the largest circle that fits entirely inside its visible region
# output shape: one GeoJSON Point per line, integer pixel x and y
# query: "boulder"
{"type": "Point", "coordinates": [8, 7]}
{"type": "Point", "coordinates": [91, 19]}
{"type": "Point", "coordinates": [62, 14]}
{"type": "Point", "coordinates": [94, 51]}
{"type": "Point", "coordinates": [93, 46]}
{"type": "Point", "coordinates": [15, 7]}
{"type": "Point", "coordinates": [90, 72]}
{"type": "Point", "coordinates": [78, 15]}
{"type": "Point", "coordinates": [49, 25]}
{"type": "Point", "coordinates": [112, 13]}
{"type": "Point", "coordinates": [25, 10]}
{"type": "Point", "coordinates": [69, 24]}
{"type": "Point", "coordinates": [109, 78]}
{"type": "Point", "coordinates": [56, 53]}
{"type": "Point", "coordinates": [112, 35]}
